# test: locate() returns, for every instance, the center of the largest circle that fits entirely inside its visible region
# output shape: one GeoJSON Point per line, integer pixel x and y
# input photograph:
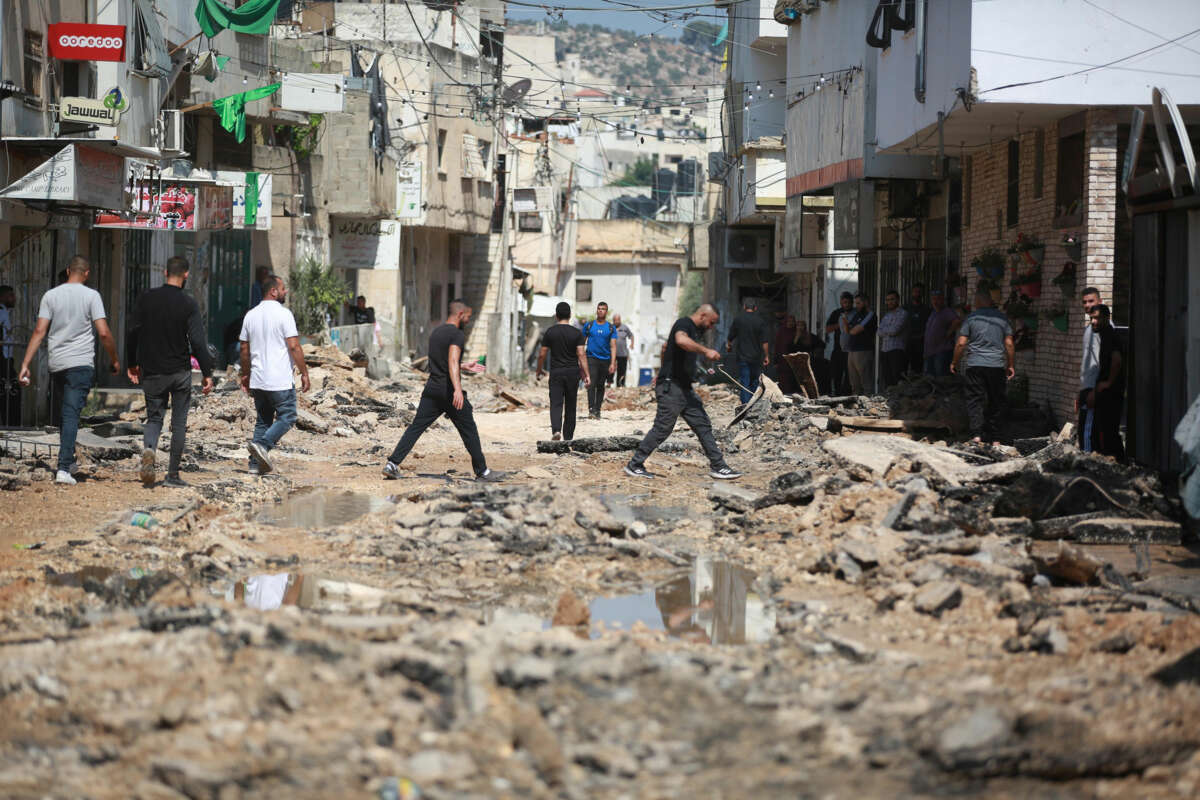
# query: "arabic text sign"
{"type": "Point", "coordinates": [76, 175]}
{"type": "Point", "coordinates": [365, 244]}
{"type": "Point", "coordinates": [175, 207]}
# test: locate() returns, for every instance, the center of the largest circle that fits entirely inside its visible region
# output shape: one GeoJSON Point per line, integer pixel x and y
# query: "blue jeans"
{"type": "Point", "coordinates": [72, 385]}
{"type": "Point", "coordinates": [276, 415]}
{"type": "Point", "coordinates": [748, 372]}
{"type": "Point", "coordinates": [938, 364]}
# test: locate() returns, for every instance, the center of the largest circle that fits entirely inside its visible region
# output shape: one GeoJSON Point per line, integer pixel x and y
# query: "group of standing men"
{"type": "Point", "coordinates": [915, 338]}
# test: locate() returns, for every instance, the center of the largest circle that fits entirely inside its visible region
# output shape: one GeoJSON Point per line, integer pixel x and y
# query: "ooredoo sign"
{"type": "Point", "coordinates": [78, 41]}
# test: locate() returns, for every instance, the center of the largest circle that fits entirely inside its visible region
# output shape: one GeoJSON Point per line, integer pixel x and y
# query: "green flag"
{"type": "Point", "coordinates": [232, 109]}
{"type": "Point", "coordinates": [251, 199]}
{"type": "Point", "coordinates": [253, 16]}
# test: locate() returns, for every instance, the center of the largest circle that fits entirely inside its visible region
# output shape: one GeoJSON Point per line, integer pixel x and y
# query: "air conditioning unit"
{"type": "Point", "coordinates": [170, 126]}
{"type": "Point", "coordinates": [748, 248]}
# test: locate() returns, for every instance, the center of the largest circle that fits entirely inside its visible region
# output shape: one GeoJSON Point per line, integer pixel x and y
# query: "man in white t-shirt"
{"type": "Point", "coordinates": [67, 315]}
{"type": "Point", "coordinates": [270, 344]}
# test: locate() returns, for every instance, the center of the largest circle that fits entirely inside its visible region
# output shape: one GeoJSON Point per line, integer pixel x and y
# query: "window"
{"type": "Point", "coordinates": [441, 145]}
{"type": "Point", "coordinates": [1039, 162]}
{"type": "Point", "coordinates": [583, 291]}
{"type": "Point", "coordinates": [656, 288]}
{"type": "Point", "coordinates": [529, 221]}
{"type": "Point", "coordinates": [34, 64]}
{"type": "Point", "coordinates": [1068, 196]}
{"type": "Point", "coordinates": [1013, 209]}
{"type": "Point", "coordinates": [435, 302]}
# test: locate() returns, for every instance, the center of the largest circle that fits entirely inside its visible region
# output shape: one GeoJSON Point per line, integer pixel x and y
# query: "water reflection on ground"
{"type": "Point", "coordinates": [714, 602]}
{"type": "Point", "coordinates": [268, 592]}
{"type": "Point", "coordinates": [324, 508]}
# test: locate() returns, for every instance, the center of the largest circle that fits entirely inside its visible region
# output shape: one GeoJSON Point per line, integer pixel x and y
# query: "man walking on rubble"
{"type": "Point", "coordinates": [675, 396]}
{"type": "Point", "coordinates": [601, 338]}
{"type": "Point", "coordinates": [565, 345]}
{"type": "Point", "coordinates": [67, 315]}
{"type": "Point", "coordinates": [270, 345]}
{"type": "Point", "coordinates": [165, 332]}
{"type": "Point", "coordinates": [986, 338]}
{"type": "Point", "coordinates": [443, 394]}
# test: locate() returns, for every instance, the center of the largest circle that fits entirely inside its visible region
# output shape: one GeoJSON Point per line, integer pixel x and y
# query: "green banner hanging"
{"type": "Point", "coordinates": [253, 16]}
{"type": "Point", "coordinates": [232, 109]}
{"type": "Point", "coordinates": [251, 199]}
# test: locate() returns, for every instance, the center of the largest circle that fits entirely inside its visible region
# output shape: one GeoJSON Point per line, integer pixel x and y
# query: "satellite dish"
{"type": "Point", "coordinates": [515, 91]}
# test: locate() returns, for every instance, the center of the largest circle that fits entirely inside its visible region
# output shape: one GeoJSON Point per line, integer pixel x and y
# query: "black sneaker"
{"type": "Point", "coordinates": [490, 476]}
{"type": "Point", "coordinates": [390, 471]}
{"type": "Point", "coordinates": [556, 437]}
{"type": "Point", "coordinates": [176, 482]}
{"type": "Point", "coordinates": [725, 474]}
{"type": "Point", "coordinates": [638, 471]}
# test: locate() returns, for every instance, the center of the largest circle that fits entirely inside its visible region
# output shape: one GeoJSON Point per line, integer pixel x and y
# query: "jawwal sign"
{"type": "Point", "coordinates": [175, 207]}
{"type": "Point", "coordinates": [88, 111]}
{"type": "Point", "coordinates": [77, 41]}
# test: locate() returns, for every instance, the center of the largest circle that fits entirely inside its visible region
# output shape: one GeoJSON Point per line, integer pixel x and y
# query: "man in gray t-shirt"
{"type": "Point", "coordinates": [986, 339]}
{"type": "Point", "coordinates": [66, 318]}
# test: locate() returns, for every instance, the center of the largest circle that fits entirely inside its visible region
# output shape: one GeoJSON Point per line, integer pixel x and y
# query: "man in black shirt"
{"type": "Point", "coordinates": [675, 397]}
{"type": "Point", "coordinates": [361, 313]}
{"type": "Point", "coordinates": [164, 333]}
{"type": "Point", "coordinates": [749, 333]}
{"type": "Point", "coordinates": [443, 394]}
{"type": "Point", "coordinates": [1108, 395]}
{"type": "Point", "coordinates": [839, 370]}
{"type": "Point", "coordinates": [564, 343]}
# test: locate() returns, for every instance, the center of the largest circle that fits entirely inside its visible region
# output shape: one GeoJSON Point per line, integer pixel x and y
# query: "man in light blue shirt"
{"type": "Point", "coordinates": [601, 338]}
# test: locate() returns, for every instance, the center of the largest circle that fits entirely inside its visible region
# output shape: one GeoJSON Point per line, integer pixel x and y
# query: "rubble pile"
{"type": "Point", "coordinates": [864, 614]}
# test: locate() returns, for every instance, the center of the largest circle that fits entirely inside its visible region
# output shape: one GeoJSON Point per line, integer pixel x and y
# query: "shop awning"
{"type": "Point", "coordinates": [78, 175]}
{"type": "Point", "coordinates": [104, 145]}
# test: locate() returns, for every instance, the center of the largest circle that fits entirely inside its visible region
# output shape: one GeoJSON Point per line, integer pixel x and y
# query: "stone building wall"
{"type": "Point", "coordinates": [1052, 366]}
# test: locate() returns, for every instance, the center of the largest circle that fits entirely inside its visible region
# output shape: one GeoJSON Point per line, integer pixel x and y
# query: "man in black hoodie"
{"type": "Point", "coordinates": [165, 332]}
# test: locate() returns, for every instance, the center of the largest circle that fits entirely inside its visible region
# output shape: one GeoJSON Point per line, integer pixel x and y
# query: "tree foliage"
{"type": "Point", "coordinates": [640, 174]}
{"type": "Point", "coordinates": [316, 290]}
{"type": "Point", "coordinates": [699, 35]}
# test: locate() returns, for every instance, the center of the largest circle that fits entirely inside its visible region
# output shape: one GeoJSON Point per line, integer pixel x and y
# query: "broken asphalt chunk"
{"type": "Point", "coordinates": [937, 597]}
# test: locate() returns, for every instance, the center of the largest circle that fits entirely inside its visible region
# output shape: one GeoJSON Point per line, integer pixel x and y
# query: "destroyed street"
{"type": "Point", "coordinates": [869, 611]}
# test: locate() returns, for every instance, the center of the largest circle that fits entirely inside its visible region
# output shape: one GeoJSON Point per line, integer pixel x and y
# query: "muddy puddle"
{"type": "Point", "coordinates": [322, 508]}
{"type": "Point", "coordinates": [714, 602]}
{"type": "Point", "coordinates": [270, 591]}
{"type": "Point", "coordinates": [634, 508]}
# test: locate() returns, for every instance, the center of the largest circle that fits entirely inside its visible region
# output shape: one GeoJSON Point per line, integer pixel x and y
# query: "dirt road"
{"type": "Point", "coordinates": [570, 632]}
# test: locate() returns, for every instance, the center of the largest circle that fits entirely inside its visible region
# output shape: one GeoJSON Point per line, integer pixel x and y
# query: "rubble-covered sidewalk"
{"type": "Point", "coordinates": [866, 613]}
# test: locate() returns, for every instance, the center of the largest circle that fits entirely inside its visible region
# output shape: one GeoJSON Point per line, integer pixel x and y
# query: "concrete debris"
{"type": "Point", "coordinates": [860, 614]}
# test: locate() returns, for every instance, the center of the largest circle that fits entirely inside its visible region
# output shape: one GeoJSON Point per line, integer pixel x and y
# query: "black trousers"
{"type": "Point", "coordinates": [10, 393]}
{"type": "Point", "coordinates": [895, 362]}
{"type": "Point", "coordinates": [675, 401]}
{"type": "Point", "coordinates": [1106, 424]}
{"type": "Point", "coordinates": [432, 406]}
{"type": "Point", "coordinates": [564, 396]}
{"type": "Point", "coordinates": [986, 389]}
{"type": "Point", "coordinates": [1081, 431]}
{"type": "Point", "coordinates": [915, 349]}
{"type": "Point", "coordinates": [159, 389]}
{"type": "Point", "coordinates": [839, 373]}
{"type": "Point", "coordinates": [598, 371]}
{"type": "Point", "coordinates": [622, 368]}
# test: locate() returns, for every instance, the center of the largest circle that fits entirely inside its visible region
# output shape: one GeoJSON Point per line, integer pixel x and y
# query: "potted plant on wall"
{"type": "Point", "coordinates": [989, 264]}
{"type": "Point", "coordinates": [1072, 242]}
{"type": "Point", "coordinates": [1027, 253]}
{"type": "Point", "coordinates": [1065, 280]}
{"type": "Point", "coordinates": [1058, 316]}
{"type": "Point", "coordinates": [991, 286]}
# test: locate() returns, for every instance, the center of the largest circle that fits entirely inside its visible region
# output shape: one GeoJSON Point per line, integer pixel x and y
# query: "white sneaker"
{"type": "Point", "coordinates": [64, 478]}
